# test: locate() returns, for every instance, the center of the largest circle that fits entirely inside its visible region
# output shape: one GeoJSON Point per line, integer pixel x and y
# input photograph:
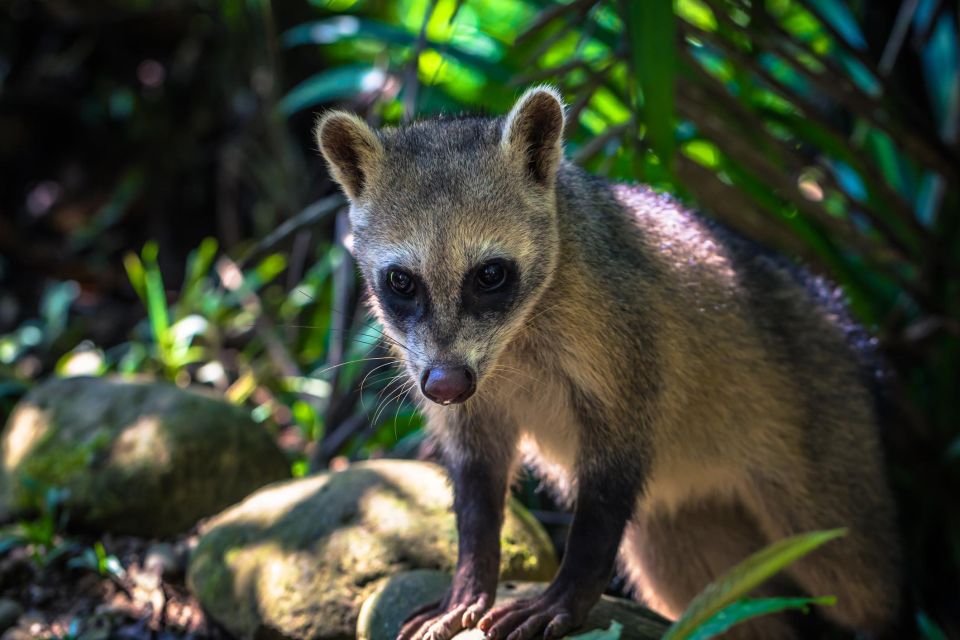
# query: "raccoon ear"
{"type": "Point", "coordinates": [533, 132]}
{"type": "Point", "coordinates": [351, 148]}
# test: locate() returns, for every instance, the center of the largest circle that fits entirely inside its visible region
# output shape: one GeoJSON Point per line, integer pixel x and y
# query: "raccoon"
{"type": "Point", "coordinates": [690, 396]}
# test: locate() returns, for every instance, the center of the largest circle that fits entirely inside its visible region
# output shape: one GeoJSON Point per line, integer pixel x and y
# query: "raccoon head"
{"type": "Point", "coordinates": [455, 230]}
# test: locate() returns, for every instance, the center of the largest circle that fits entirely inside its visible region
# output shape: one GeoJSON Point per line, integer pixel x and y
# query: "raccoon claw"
{"type": "Point", "coordinates": [440, 621]}
{"type": "Point", "coordinates": [551, 616]}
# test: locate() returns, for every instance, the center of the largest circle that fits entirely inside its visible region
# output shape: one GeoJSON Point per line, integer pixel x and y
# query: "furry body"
{"type": "Point", "coordinates": [692, 397]}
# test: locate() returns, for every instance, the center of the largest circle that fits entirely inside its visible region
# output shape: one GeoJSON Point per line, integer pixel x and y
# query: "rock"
{"type": "Point", "coordinates": [384, 611]}
{"type": "Point", "coordinates": [10, 612]}
{"type": "Point", "coordinates": [297, 559]}
{"type": "Point", "coordinates": [137, 458]}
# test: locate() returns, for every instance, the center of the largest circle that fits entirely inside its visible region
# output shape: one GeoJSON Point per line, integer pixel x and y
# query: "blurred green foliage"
{"type": "Point", "coordinates": [136, 132]}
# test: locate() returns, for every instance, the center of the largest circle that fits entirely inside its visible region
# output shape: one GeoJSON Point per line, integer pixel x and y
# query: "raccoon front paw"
{"type": "Point", "coordinates": [552, 615]}
{"type": "Point", "coordinates": [442, 620]}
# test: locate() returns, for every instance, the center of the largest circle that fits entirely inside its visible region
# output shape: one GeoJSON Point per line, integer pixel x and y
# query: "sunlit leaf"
{"type": "Point", "coordinates": [81, 362]}
{"type": "Point", "coordinates": [333, 84]}
{"type": "Point", "coordinates": [268, 269]}
{"type": "Point", "coordinates": [135, 274]}
{"type": "Point", "coordinates": [703, 152]}
{"type": "Point", "coordinates": [345, 27]}
{"type": "Point", "coordinates": [157, 312]}
{"type": "Point", "coordinates": [744, 578]}
{"type": "Point", "coordinates": [198, 269]}
{"type": "Point", "coordinates": [838, 14]}
{"type": "Point", "coordinates": [697, 13]}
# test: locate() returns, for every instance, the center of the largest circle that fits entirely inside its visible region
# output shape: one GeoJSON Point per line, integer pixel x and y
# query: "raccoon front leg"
{"type": "Point", "coordinates": [480, 488]}
{"type": "Point", "coordinates": [603, 507]}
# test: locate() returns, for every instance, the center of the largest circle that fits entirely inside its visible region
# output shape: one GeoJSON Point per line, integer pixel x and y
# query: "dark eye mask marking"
{"type": "Point", "coordinates": [403, 296]}
{"type": "Point", "coordinates": [490, 287]}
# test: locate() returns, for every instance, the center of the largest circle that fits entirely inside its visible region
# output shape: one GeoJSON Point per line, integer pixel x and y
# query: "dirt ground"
{"type": "Point", "coordinates": [148, 599]}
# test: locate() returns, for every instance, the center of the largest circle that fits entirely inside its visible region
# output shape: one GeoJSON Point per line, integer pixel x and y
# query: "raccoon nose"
{"type": "Point", "coordinates": [448, 385]}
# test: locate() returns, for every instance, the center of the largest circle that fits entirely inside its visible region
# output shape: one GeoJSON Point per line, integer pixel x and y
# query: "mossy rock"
{"type": "Point", "coordinates": [297, 559]}
{"type": "Point", "coordinates": [385, 610]}
{"type": "Point", "coordinates": [140, 458]}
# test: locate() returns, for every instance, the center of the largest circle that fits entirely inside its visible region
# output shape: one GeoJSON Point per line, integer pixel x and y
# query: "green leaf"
{"type": "Point", "coordinates": [333, 84]}
{"type": "Point", "coordinates": [744, 578]}
{"type": "Point", "coordinates": [134, 268]}
{"type": "Point", "coordinates": [838, 14]}
{"type": "Point", "coordinates": [266, 270]}
{"type": "Point", "coordinates": [697, 13]}
{"type": "Point", "coordinates": [887, 157]}
{"type": "Point", "coordinates": [339, 28]}
{"type": "Point", "coordinates": [746, 609]}
{"type": "Point", "coordinates": [651, 32]}
{"type": "Point", "coordinates": [929, 630]}
{"type": "Point", "coordinates": [198, 267]}
{"type": "Point", "coordinates": [180, 340]}
{"type": "Point", "coordinates": [55, 308]}
{"type": "Point", "coordinates": [469, 46]}
{"type": "Point", "coordinates": [156, 296]}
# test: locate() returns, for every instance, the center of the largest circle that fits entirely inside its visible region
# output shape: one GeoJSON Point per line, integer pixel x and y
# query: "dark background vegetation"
{"type": "Point", "coordinates": [163, 209]}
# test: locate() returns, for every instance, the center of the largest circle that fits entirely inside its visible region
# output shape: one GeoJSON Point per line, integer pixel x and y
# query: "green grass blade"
{"type": "Point", "coordinates": [134, 268]}
{"type": "Point", "coordinates": [198, 267]}
{"type": "Point", "coordinates": [745, 577]}
{"type": "Point", "coordinates": [156, 297]}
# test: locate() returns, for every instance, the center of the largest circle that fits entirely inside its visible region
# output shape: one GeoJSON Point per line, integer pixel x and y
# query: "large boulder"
{"type": "Point", "coordinates": [384, 612]}
{"type": "Point", "coordinates": [141, 458]}
{"type": "Point", "coordinates": [297, 559]}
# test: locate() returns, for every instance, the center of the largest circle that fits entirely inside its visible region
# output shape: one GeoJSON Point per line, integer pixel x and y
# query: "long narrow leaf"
{"type": "Point", "coordinates": [134, 269]}
{"type": "Point", "coordinates": [333, 84]}
{"type": "Point", "coordinates": [651, 30]}
{"type": "Point", "coordinates": [157, 311]}
{"type": "Point", "coordinates": [744, 578]}
{"type": "Point", "coordinates": [748, 609]}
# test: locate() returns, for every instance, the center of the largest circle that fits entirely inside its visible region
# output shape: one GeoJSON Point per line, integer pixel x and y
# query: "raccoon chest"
{"type": "Point", "coordinates": [550, 436]}
{"type": "Point", "coordinates": [674, 483]}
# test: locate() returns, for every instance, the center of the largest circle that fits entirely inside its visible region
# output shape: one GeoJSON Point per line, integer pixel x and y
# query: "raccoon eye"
{"type": "Point", "coordinates": [401, 282]}
{"type": "Point", "coordinates": [491, 276]}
